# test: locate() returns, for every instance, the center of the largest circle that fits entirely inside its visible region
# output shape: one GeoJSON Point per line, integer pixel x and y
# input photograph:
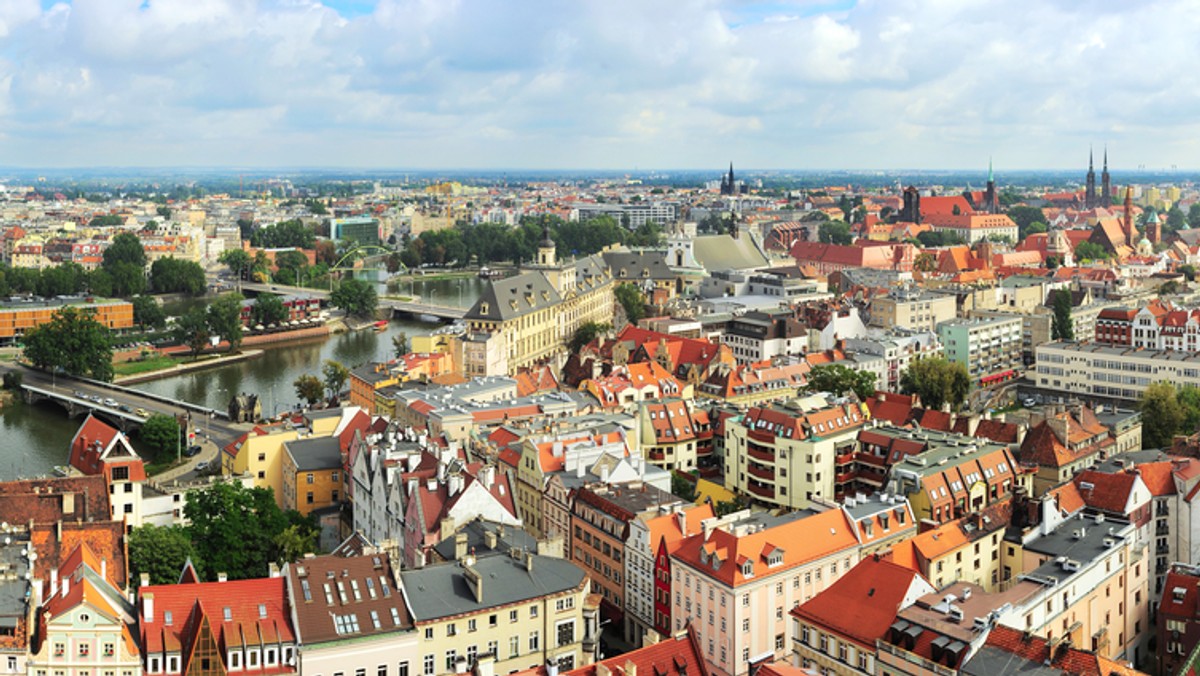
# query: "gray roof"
{"type": "Point", "coordinates": [513, 297]}
{"type": "Point", "coordinates": [441, 591]}
{"type": "Point", "coordinates": [507, 538]}
{"type": "Point", "coordinates": [638, 264]}
{"type": "Point", "coordinates": [316, 453]}
{"type": "Point", "coordinates": [723, 252]}
{"type": "Point", "coordinates": [991, 660]}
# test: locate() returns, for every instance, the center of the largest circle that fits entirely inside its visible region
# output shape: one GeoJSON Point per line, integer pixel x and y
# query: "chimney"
{"type": "Point", "coordinates": [58, 529]}
{"type": "Point", "coordinates": [222, 577]}
{"type": "Point", "coordinates": [144, 580]}
{"type": "Point", "coordinates": [490, 539]}
{"type": "Point", "coordinates": [682, 518]}
{"type": "Point", "coordinates": [473, 579]}
{"type": "Point", "coordinates": [446, 527]}
{"type": "Point", "coordinates": [273, 569]}
{"type": "Point", "coordinates": [602, 670]}
{"type": "Point", "coordinates": [630, 668]}
{"type": "Point", "coordinates": [529, 562]}
{"type": "Point", "coordinates": [147, 607]}
{"type": "Point", "coordinates": [460, 546]}
{"type": "Point", "coordinates": [485, 665]}
{"type": "Point", "coordinates": [487, 476]}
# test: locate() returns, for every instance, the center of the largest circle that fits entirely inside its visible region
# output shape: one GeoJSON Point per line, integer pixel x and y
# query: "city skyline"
{"type": "Point", "coordinates": [802, 85]}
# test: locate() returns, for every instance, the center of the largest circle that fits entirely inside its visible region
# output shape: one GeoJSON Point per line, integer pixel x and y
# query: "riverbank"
{"type": "Point", "coordinates": [187, 367]}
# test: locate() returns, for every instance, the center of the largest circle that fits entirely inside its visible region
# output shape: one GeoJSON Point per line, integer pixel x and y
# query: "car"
{"type": "Point", "coordinates": [202, 466]}
{"type": "Point", "coordinates": [110, 402]}
{"type": "Point", "coordinates": [80, 395]}
{"type": "Point", "coordinates": [140, 412]}
{"type": "Point", "coordinates": [126, 408]}
{"type": "Point", "coordinates": [192, 450]}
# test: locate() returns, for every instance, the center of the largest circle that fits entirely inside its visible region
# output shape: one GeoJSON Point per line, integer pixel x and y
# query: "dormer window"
{"type": "Point", "coordinates": [484, 308]}
{"type": "Point", "coordinates": [748, 569]}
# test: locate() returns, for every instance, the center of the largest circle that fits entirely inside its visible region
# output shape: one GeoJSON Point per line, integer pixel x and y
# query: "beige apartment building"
{"type": "Point", "coordinates": [527, 610]}
{"type": "Point", "coordinates": [1114, 372]}
{"type": "Point", "coordinates": [912, 308]}
{"type": "Point", "coordinates": [783, 455]}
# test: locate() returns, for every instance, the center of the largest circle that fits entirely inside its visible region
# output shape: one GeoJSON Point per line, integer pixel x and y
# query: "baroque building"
{"type": "Point", "coordinates": [528, 319]}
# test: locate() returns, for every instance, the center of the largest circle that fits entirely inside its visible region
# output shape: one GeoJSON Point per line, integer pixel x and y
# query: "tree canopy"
{"type": "Point", "coordinates": [191, 329]}
{"type": "Point", "coordinates": [937, 381]}
{"type": "Point", "coordinates": [162, 434]}
{"type": "Point", "coordinates": [632, 301]}
{"type": "Point", "coordinates": [357, 297]}
{"type": "Point", "coordinates": [292, 233]}
{"type": "Point", "coordinates": [309, 388]}
{"type": "Point", "coordinates": [335, 375]}
{"type": "Point", "coordinates": [159, 551]}
{"type": "Point", "coordinates": [225, 513]}
{"type": "Point", "coordinates": [174, 275]}
{"type": "Point", "coordinates": [1163, 415]}
{"type": "Point", "coordinates": [268, 309]}
{"type": "Point", "coordinates": [839, 379]}
{"type": "Point", "coordinates": [225, 319]}
{"type": "Point", "coordinates": [586, 333]}
{"type": "Point", "coordinates": [1062, 326]}
{"type": "Point", "coordinates": [72, 341]}
{"type": "Point", "coordinates": [835, 232]}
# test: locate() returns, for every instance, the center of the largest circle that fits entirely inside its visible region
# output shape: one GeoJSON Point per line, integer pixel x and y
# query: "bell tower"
{"type": "Point", "coordinates": [546, 248]}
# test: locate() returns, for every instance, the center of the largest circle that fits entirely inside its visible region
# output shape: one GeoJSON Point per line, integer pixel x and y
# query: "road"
{"type": "Point", "coordinates": [416, 308]}
{"type": "Point", "coordinates": [220, 430]}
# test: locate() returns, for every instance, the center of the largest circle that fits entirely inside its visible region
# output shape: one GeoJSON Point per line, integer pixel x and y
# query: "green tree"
{"type": "Point", "coordinates": [268, 309]}
{"type": "Point", "coordinates": [1062, 326]}
{"type": "Point", "coordinates": [147, 313]}
{"type": "Point", "coordinates": [682, 487]}
{"type": "Point", "coordinates": [225, 513]}
{"type": "Point", "coordinates": [1035, 228]}
{"type": "Point", "coordinates": [1090, 251]}
{"type": "Point", "coordinates": [309, 388]}
{"type": "Point", "coordinates": [1193, 215]}
{"type": "Point", "coordinates": [72, 341]}
{"type": "Point", "coordinates": [165, 212]}
{"type": "Point", "coordinates": [631, 299]}
{"type": "Point", "coordinates": [400, 344]}
{"type": "Point", "coordinates": [125, 248]}
{"type": "Point", "coordinates": [937, 382]}
{"type": "Point", "coordinates": [174, 275]}
{"type": "Point", "coordinates": [295, 541]}
{"type": "Point", "coordinates": [160, 552]}
{"type": "Point", "coordinates": [586, 333]}
{"type": "Point", "coordinates": [1189, 399]}
{"type": "Point", "coordinates": [292, 267]}
{"type": "Point", "coordinates": [1188, 271]}
{"type": "Point", "coordinates": [293, 233]}
{"type": "Point", "coordinates": [932, 238]}
{"type": "Point", "coordinates": [238, 261]}
{"type": "Point", "coordinates": [1162, 415]}
{"type": "Point", "coordinates": [1176, 220]}
{"type": "Point", "coordinates": [225, 319]}
{"type": "Point", "coordinates": [336, 376]}
{"type": "Point", "coordinates": [12, 380]}
{"type": "Point", "coordinates": [162, 434]}
{"type": "Point", "coordinates": [357, 297]}
{"type": "Point", "coordinates": [838, 379]}
{"type": "Point", "coordinates": [835, 232]}
{"type": "Point", "coordinates": [192, 330]}
{"type": "Point", "coordinates": [1024, 217]}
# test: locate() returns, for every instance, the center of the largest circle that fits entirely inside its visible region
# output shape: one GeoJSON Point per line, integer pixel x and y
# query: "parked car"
{"type": "Point", "coordinates": [140, 412]}
{"type": "Point", "coordinates": [126, 408]}
{"type": "Point", "coordinates": [192, 450]}
{"type": "Point", "coordinates": [202, 466]}
{"type": "Point", "coordinates": [110, 402]}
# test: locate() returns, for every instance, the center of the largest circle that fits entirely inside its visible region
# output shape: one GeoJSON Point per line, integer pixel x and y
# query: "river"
{"type": "Point", "coordinates": [35, 438]}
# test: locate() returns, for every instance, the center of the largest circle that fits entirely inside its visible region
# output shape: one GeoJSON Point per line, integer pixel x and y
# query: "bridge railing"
{"type": "Point", "coordinates": [150, 395]}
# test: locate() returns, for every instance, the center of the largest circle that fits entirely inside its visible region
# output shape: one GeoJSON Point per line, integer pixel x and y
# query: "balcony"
{"type": "Point", "coordinates": [762, 491]}
{"type": "Point", "coordinates": [760, 435]}
{"type": "Point", "coordinates": [844, 458]}
{"type": "Point", "coordinates": [657, 455]}
{"type": "Point", "coordinates": [764, 456]}
{"type": "Point", "coordinates": [761, 472]}
{"type": "Point", "coordinates": [844, 477]}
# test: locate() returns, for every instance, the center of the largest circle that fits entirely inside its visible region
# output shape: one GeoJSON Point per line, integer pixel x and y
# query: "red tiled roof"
{"type": "Point", "coordinates": [1035, 650]}
{"type": "Point", "coordinates": [1109, 492]}
{"type": "Point", "coordinates": [863, 602]}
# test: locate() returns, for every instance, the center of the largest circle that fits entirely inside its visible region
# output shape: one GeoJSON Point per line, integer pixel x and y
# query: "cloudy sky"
{"type": "Point", "coordinates": [606, 84]}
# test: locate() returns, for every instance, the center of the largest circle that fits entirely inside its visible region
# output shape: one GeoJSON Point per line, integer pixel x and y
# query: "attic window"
{"type": "Point", "coordinates": [262, 610]}
{"type": "Point", "coordinates": [228, 614]}
{"type": "Point", "coordinates": [775, 558]}
{"type": "Point", "coordinates": [748, 569]}
{"type": "Point", "coordinates": [1179, 593]}
{"type": "Point", "coordinates": [168, 618]}
{"type": "Point", "coordinates": [483, 308]}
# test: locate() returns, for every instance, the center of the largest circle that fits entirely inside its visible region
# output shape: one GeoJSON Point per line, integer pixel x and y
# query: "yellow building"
{"type": "Point", "coordinates": [313, 476]}
{"type": "Point", "coordinates": [258, 456]}
{"type": "Point", "coordinates": [528, 319]}
{"type": "Point", "coordinates": [527, 610]}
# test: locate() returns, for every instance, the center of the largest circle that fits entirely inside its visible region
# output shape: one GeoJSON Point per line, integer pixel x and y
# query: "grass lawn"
{"type": "Point", "coordinates": [130, 368]}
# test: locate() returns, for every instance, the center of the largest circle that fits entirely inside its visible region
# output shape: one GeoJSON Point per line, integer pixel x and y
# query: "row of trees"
{"type": "Point", "coordinates": [293, 233]}
{"type": "Point", "coordinates": [333, 379]}
{"type": "Point", "coordinates": [1167, 411]}
{"type": "Point", "coordinates": [489, 242]}
{"type": "Point", "coordinates": [222, 319]}
{"type": "Point", "coordinates": [122, 274]}
{"type": "Point", "coordinates": [219, 516]}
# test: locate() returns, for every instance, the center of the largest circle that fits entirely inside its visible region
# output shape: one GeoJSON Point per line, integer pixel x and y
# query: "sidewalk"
{"type": "Point", "coordinates": [208, 451]}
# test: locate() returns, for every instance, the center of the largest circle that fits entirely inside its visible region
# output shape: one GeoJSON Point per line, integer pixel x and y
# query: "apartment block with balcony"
{"type": "Point", "coordinates": [786, 455]}
{"type": "Point", "coordinates": [990, 347]}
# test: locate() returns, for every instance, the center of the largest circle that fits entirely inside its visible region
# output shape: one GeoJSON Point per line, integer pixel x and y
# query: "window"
{"type": "Point", "coordinates": [533, 611]}
{"type": "Point", "coordinates": [381, 670]}
{"type": "Point", "coordinates": [535, 641]}
{"type": "Point", "coordinates": [566, 633]}
{"type": "Point", "coordinates": [451, 658]}
{"type": "Point", "coordinates": [309, 497]}
{"type": "Point", "coordinates": [308, 479]}
{"type": "Point", "coordinates": [108, 650]}
{"type": "Point", "coordinates": [451, 629]}
{"type": "Point", "coordinates": [375, 623]}
{"type": "Point", "coordinates": [471, 625]}
{"type": "Point", "coordinates": [428, 633]}
{"type": "Point", "coordinates": [514, 647]}
{"type": "Point", "coordinates": [85, 649]}
{"type": "Point", "coordinates": [567, 603]}
{"type": "Point", "coordinates": [512, 616]}
{"type": "Point", "coordinates": [427, 665]}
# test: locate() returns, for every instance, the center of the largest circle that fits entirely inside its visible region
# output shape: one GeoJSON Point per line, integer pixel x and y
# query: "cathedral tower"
{"type": "Point", "coordinates": [1089, 195]}
{"type": "Point", "coordinates": [1105, 183]}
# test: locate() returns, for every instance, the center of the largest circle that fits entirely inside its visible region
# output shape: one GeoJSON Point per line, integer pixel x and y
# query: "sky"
{"type": "Point", "coordinates": [600, 84]}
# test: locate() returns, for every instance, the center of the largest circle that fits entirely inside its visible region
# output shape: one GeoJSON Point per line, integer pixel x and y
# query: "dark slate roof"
{"type": "Point", "coordinates": [638, 264]}
{"type": "Point", "coordinates": [591, 272]}
{"type": "Point", "coordinates": [507, 539]}
{"type": "Point", "coordinates": [316, 453]}
{"type": "Point", "coordinates": [513, 297]}
{"type": "Point", "coordinates": [441, 591]}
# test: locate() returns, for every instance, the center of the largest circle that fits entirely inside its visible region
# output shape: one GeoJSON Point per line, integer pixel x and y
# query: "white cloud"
{"type": "Point", "coordinates": [606, 84]}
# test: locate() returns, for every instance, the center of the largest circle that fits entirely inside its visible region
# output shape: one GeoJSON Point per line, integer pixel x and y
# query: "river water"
{"type": "Point", "coordinates": [34, 438]}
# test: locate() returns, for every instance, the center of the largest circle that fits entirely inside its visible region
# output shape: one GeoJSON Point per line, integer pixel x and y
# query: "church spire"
{"type": "Point", "coordinates": [991, 178]}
